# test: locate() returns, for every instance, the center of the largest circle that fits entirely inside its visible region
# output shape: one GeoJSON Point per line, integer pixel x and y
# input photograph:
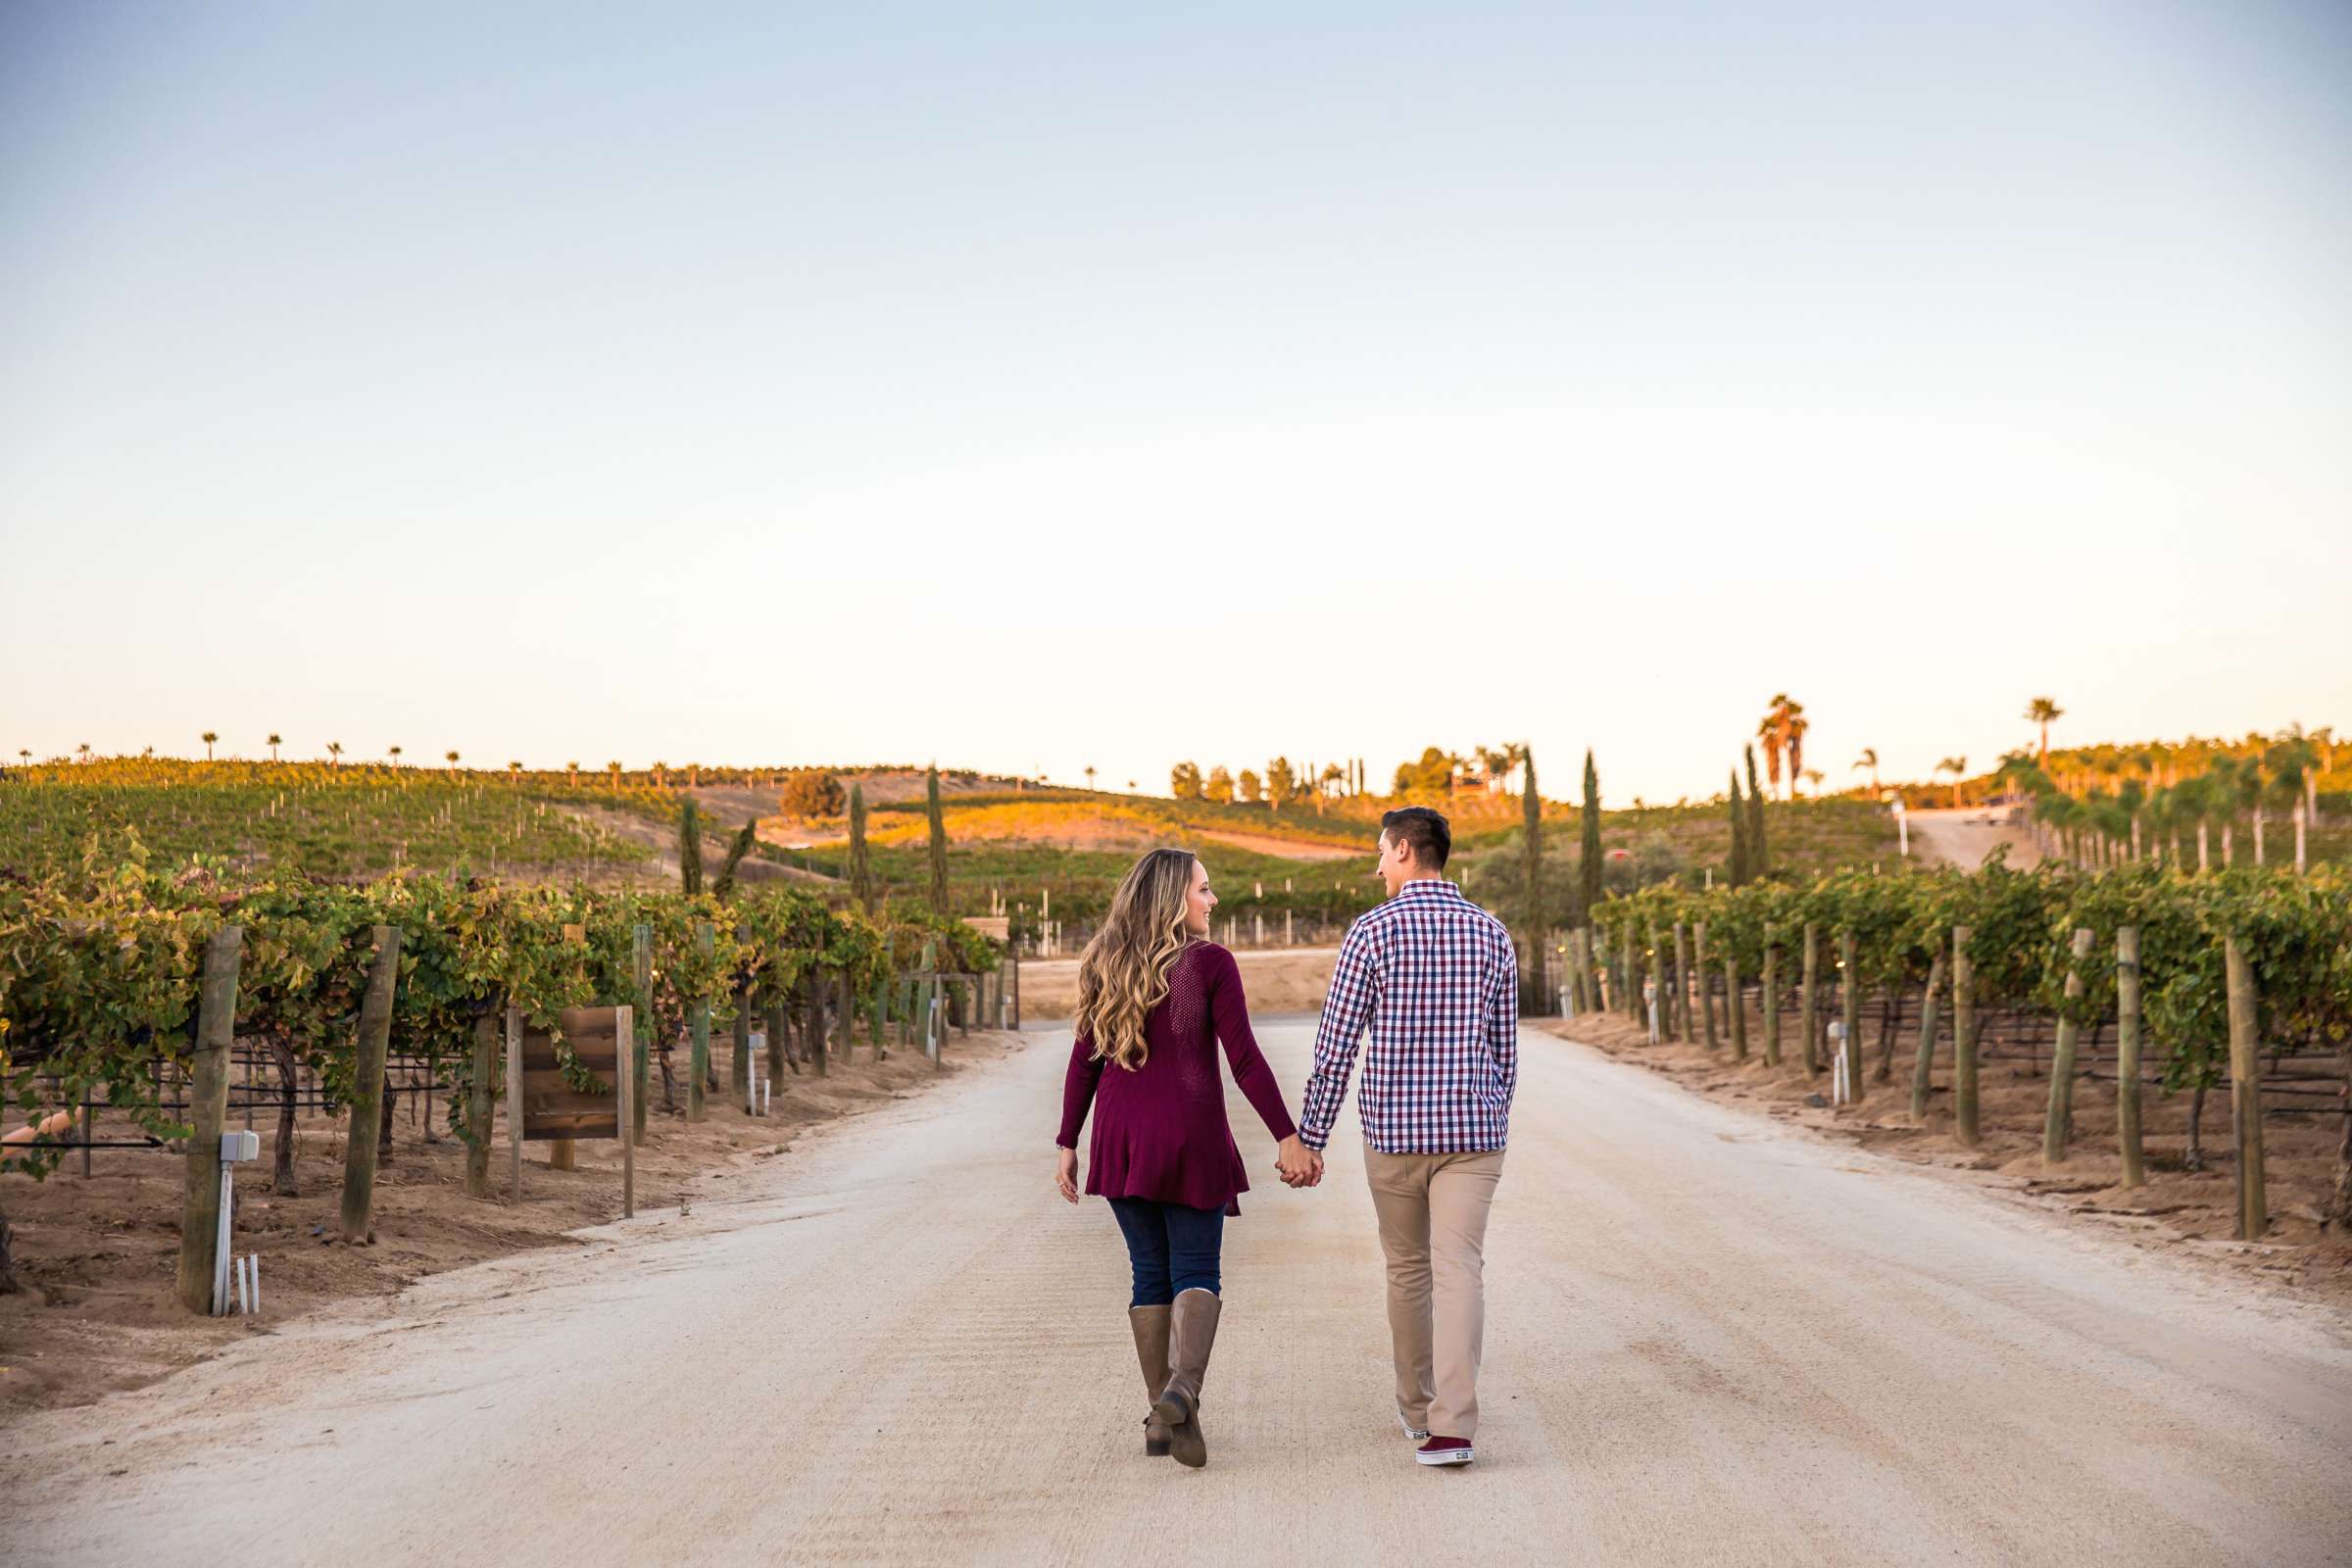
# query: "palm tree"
{"type": "Point", "coordinates": [1870, 760]}
{"type": "Point", "coordinates": [1783, 733]}
{"type": "Point", "coordinates": [1090, 775]}
{"type": "Point", "coordinates": [451, 757]}
{"type": "Point", "coordinates": [1957, 767]}
{"type": "Point", "coordinates": [571, 771]}
{"type": "Point", "coordinates": [334, 752]}
{"type": "Point", "coordinates": [394, 753]}
{"type": "Point", "coordinates": [85, 753]}
{"type": "Point", "coordinates": [24, 752]}
{"type": "Point", "coordinates": [2044, 711]}
{"type": "Point", "coordinates": [661, 775]}
{"type": "Point", "coordinates": [1813, 776]}
{"type": "Point", "coordinates": [209, 736]}
{"type": "Point", "coordinates": [276, 741]}
{"type": "Point", "coordinates": [514, 772]}
{"type": "Point", "coordinates": [613, 769]}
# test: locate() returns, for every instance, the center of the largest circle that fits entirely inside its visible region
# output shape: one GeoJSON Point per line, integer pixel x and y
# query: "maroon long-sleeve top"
{"type": "Point", "coordinates": [1161, 1131]}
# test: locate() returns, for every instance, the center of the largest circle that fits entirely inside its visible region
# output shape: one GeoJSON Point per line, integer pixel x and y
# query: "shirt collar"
{"type": "Point", "coordinates": [1429, 887]}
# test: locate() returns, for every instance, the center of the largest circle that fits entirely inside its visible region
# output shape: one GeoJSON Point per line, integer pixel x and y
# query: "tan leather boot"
{"type": "Point", "coordinates": [1191, 1331]}
{"type": "Point", "coordinates": [1151, 1325]}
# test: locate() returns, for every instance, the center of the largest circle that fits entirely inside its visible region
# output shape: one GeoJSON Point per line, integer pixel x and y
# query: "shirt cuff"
{"type": "Point", "coordinates": [1314, 1140]}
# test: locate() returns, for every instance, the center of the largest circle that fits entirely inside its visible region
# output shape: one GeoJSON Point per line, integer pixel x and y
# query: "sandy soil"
{"type": "Point", "coordinates": [1711, 1340]}
{"type": "Point", "coordinates": [97, 1255]}
{"type": "Point", "coordinates": [2191, 1212]}
{"type": "Point", "coordinates": [1275, 979]}
{"type": "Point", "coordinates": [1964, 838]}
{"type": "Point", "coordinates": [1291, 848]}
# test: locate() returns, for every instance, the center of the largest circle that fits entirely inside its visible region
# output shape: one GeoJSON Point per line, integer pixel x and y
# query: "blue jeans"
{"type": "Point", "coordinates": [1171, 1247]}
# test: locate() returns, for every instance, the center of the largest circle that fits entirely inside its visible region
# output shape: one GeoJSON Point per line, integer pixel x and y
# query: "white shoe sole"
{"type": "Point", "coordinates": [1411, 1430]}
{"type": "Point", "coordinates": [1446, 1456]}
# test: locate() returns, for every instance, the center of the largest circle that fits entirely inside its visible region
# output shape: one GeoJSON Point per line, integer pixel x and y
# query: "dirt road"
{"type": "Point", "coordinates": [1712, 1342]}
{"type": "Point", "coordinates": [1964, 838]}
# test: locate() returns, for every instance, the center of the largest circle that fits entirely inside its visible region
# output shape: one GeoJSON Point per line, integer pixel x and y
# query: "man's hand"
{"type": "Point", "coordinates": [1300, 1165]}
{"type": "Point", "coordinates": [1065, 1173]}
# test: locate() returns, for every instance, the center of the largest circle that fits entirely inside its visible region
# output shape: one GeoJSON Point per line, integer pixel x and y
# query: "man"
{"type": "Point", "coordinates": [1436, 977]}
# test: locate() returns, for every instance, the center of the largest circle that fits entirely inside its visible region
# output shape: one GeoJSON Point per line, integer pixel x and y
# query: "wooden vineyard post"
{"type": "Point", "coordinates": [625, 1053]}
{"type": "Point", "coordinates": [1660, 1008]}
{"type": "Point", "coordinates": [698, 1070]}
{"type": "Point", "coordinates": [481, 1100]}
{"type": "Point", "coordinates": [514, 1102]}
{"type": "Point", "coordinates": [772, 1022]}
{"type": "Point", "coordinates": [1736, 1010]}
{"type": "Point", "coordinates": [1681, 982]}
{"type": "Point", "coordinates": [1015, 959]}
{"type": "Point", "coordinates": [1699, 970]}
{"type": "Point", "coordinates": [840, 1023]}
{"type": "Point", "coordinates": [367, 1086]}
{"type": "Point", "coordinates": [1633, 976]}
{"type": "Point", "coordinates": [2058, 1122]}
{"type": "Point", "coordinates": [820, 1017]}
{"type": "Point", "coordinates": [1922, 1070]}
{"type": "Point", "coordinates": [1808, 1017]}
{"type": "Point", "coordinates": [1964, 1038]}
{"type": "Point", "coordinates": [877, 1003]}
{"type": "Point", "coordinates": [2253, 1206]}
{"type": "Point", "coordinates": [200, 1216]}
{"type": "Point", "coordinates": [739, 1071]}
{"type": "Point", "coordinates": [2127, 1054]}
{"type": "Point", "coordinates": [641, 986]}
{"type": "Point", "coordinates": [1850, 997]}
{"type": "Point", "coordinates": [1772, 997]}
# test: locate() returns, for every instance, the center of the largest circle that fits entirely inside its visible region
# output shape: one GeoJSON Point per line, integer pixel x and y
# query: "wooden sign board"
{"type": "Point", "coordinates": [542, 1106]}
{"type": "Point", "coordinates": [999, 926]}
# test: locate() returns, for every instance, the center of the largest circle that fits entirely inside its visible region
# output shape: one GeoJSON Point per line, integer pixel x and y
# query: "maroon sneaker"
{"type": "Point", "coordinates": [1446, 1450]}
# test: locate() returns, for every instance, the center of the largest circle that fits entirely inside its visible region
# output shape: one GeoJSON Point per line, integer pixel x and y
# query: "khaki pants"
{"type": "Point", "coordinates": [1432, 1227]}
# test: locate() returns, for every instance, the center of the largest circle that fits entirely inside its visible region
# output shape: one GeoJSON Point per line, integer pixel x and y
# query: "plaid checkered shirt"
{"type": "Point", "coordinates": [1436, 977]}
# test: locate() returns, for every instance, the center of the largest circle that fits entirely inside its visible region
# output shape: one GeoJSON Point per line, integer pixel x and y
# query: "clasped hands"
{"type": "Point", "coordinates": [1300, 1165]}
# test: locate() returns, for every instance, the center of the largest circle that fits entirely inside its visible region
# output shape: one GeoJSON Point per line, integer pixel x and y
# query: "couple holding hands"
{"type": "Point", "coordinates": [1436, 979]}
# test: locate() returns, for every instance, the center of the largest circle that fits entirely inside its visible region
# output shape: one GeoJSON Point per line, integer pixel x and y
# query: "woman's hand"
{"type": "Point", "coordinates": [1300, 1165]}
{"type": "Point", "coordinates": [1065, 1173]}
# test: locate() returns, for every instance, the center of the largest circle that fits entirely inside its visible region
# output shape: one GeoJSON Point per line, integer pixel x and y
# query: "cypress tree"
{"type": "Point", "coordinates": [690, 848]}
{"type": "Point", "coordinates": [1739, 871]}
{"type": "Point", "coordinates": [862, 878]}
{"type": "Point", "coordinates": [1533, 807]}
{"type": "Point", "coordinates": [938, 841]}
{"type": "Point", "coordinates": [1759, 853]}
{"type": "Point", "coordinates": [1587, 870]}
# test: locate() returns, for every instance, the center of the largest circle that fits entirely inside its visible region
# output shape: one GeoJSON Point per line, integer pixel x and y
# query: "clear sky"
{"type": "Point", "coordinates": [1032, 388]}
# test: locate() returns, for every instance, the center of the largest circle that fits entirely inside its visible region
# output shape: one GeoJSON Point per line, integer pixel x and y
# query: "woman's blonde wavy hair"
{"type": "Point", "coordinates": [1123, 973]}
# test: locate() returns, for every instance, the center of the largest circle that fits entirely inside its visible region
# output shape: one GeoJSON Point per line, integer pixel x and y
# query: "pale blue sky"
{"type": "Point", "coordinates": [1032, 388]}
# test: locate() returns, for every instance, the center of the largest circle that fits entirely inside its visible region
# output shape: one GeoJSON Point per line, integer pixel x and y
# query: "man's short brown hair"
{"type": "Point", "coordinates": [1425, 830]}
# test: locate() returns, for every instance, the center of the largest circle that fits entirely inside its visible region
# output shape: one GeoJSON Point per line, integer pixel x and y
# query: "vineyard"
{"type": "Point", "coordinates": [108, 995]}
{"type": "Point", "coordinates": [2143, 978]}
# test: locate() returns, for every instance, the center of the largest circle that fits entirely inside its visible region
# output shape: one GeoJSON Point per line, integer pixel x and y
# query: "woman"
{"type": "Point", "coordinates": [1155, 996]}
